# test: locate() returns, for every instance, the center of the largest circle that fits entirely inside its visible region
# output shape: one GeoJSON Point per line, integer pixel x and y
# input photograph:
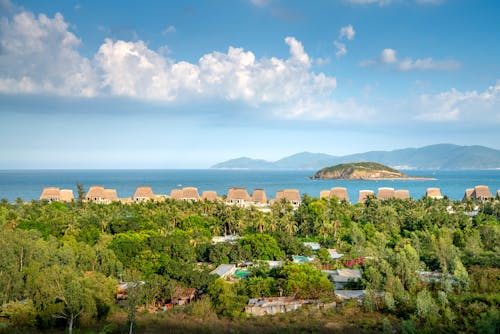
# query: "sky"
{"type": "Point", "coordinates": [187, 84]}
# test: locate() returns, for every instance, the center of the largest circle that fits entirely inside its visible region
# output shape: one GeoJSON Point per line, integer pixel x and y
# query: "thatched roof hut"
{"type": "Point", "coordinates": [324, 194]}
{"type": "Point", "coordinates": [209, 195]}
{"type": "Point", "coordinates": [176, 194]}
{"type": "Point", "coordinates": [385, 193]}
{"type": "Point", "coordinates": [402, 194]}
{"type": "Point", "coordinates": [259, 196]}
{"type": "Point", "coordinates": [237, 196]}
{"type": "Point", "coordinates": [190, 194]}
{"type": "Point", "coordinates": [291, 195]}
{"type": "Point", "coordinates": [482, 193]}
{"type": "Point", "coordinates": [340, 193]}
{"type": "Point", "coordinates": [433, 193]}
{"type": "Point", "coordinates": [110, 195]}
{"type": "Point", "coordinates": [363, 195]}
{"type": "Point", "coordinates": [66, 195]}
{"type": "Point", "coordinates": [95, 193]}
{"type": "Point", "coordinates": [50, 194]}
{"type": "Point", "coordinates": [143, 193]}
{"type": "Point", "coordinates": [468, 193]}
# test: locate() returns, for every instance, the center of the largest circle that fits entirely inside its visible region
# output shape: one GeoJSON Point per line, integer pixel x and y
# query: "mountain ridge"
{"type": "Point", "coordinates": [432, 157]}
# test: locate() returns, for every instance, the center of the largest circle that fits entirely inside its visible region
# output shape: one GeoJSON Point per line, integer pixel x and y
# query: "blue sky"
{"type": "Point", "coordinates": [186, 84]}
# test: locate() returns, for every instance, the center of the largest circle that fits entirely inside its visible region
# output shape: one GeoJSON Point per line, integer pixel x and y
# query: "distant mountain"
{"type": "Point", "coordinates": [441, 156]}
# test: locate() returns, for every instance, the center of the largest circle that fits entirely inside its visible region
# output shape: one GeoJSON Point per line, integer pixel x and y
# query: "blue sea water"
{"type": "Point", "coordinates": [28, 184]}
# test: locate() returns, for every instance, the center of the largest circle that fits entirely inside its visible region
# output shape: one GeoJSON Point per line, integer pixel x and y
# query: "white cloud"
{"type": "Point", "coordinates": [388, 56]}
{"type": "Point", "coordinates": [454, 105]}
{"type": "Point", "coordinates": [341, 49]}
{"type": "Point", "coordinates": [169, 30]}
{"type": "Point", "coordinates": [39, 55]}
{"type": "Point", "coordinates": [347, 32]}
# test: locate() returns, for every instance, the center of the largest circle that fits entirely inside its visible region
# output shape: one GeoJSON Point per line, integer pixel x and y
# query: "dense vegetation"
{"type": "Point", "coordinates": [61, 262]}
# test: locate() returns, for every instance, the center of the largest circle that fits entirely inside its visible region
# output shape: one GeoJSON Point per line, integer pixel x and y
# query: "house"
{"type": "Point", "coordinates": [238, 196]}
{"type": "Point", "coordinates": [402, 194]}
{"type": "Point", "coordinates": [183, 296]}
{"type": "Point", "coordinates": [312, 245]}
{"type": "Point", "coordinates": [468, 194]}
{"type": "Point", "coordinates": [98, 194]}
{"type": "Point", "coordinates": [363, 195]}
{"type": "Point", "coordinates": [53, 194]}
{"type": "Point", "coordinates": [340, 193]}
{"type": "Point", "coordinates": [143, 193]}
{"type": "Point", "coordinates": [385, 193]}
{"type": "Point", "coordinates": [340, 277]}
{"type": "Point", "coordinates": [349, 294]}
{"type": "Point", "coordinates": [176, 194]}
{"type": "Point", "coordinates": [190, 194]}
{"type": "Point", "coordinates": [333, 254]}
{"type": "Point", "coordinates": [481, 193]}
{"type": "Point", "coordinates": [259, 197]}
{"type": "Point", "coordinates": [224, 271]}
{"type": "Point", "coordinates": [291, 195]}
{"type": "Point", "coordinates": [433, 193]}
{"type": "Point", "coordinates": [209, 195]}
{"type": "Point", "coordinates": [225, 238]}
{"type": "Point", "coordinates": [324, 194]}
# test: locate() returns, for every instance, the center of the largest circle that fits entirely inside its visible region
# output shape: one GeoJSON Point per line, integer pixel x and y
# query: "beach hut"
{"type": "Point", "coordinates": [66, 195]}
{"type": "Point", "coordinates": [385, 193]}
{"type": "Point", "coordinates": [50, 194]}
{"type": "Point", "coordinates": [98, 194]}
{"type": "Point", "coordinates": [238, 196]}
{"type": "Point", "coordinates": [324, 194]}
{"type": "Point", "coordinates": [110, 195]}
{"type": "Point", "coordinates": [402, 194]}
{"type": "Point", "coordinates": [340, 193]}
{"type": "Point", "coordinates": [291, 195]}
{"type": "Point", "coordinates": [482, 193]}
{"type": "Point", "coordinates": [143, 193]}
{"type": "Point", "coordinates": [209, 195]}
{"type": "Point", "coordinates": [468, 194]}
{"type": "Point", "coordinates": [363, 195]}
{"type": "Point", "coordinates": [259, 197]}
{"type": "Point", "coordinates": [190, 194]}
{"type": "Point", "coordinates": [176, 194]}
{"type": "Point", "coordinates": [433, 193]}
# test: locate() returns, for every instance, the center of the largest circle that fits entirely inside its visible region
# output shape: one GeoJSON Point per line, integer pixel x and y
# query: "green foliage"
{"type": "Point", "coordinates": [305, 281]}
{"type": "Point", "coordinates": [261, 247]}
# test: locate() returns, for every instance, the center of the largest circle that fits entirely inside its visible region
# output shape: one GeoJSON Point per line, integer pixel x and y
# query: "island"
{"type": "Point", "coordinates": [363, 171]}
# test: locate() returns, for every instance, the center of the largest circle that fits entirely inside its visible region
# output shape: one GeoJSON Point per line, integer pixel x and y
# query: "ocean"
{"type": "Point", "coordinates": [28, 184]}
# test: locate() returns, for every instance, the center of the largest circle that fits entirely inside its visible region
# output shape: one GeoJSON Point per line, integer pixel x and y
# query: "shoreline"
{"type": "Point", "coordinates": [411, 178]}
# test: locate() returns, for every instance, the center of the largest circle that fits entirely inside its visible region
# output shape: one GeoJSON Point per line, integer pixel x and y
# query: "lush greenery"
{"type": "Point", "coordinates": [364, 166]}
{"type": "Point", "coordinates": [61, 262]}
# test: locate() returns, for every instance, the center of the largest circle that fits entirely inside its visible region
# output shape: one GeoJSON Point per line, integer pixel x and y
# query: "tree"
{"type": "Point", "coordinates": [305, 281]}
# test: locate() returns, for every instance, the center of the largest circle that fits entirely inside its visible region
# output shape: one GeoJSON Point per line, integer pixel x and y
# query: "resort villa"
{"type": "Point", "coordinates": [290, 195]}
{"type": "Point", "coordinates": [98, 194]}
{"type": "Point", "coordinates": [53, 194]}
{"type": "Point", "coordinates": [238, 196]}
{"type": "Point", "coordinates": [364, 194]}
{"type": "Point", "coordinates": [433, 193]}
{"type": "Point", "coordinates": [209, 195]}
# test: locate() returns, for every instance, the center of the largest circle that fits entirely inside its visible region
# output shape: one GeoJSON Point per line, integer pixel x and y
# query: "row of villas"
{"type": "Point", "coordinates": [240, 196]}
{"type": "Point", "coordinates": [235, 196]}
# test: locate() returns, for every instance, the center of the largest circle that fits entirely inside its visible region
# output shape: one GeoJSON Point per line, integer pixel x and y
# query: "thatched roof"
{"type": "Point", "coordinates": [481, 193]}
{"type": "Point", "coordinates": [340, 193]}
{"type": "Point", "coordinates": [259, 196]}
{"type": "Point", "coordinates": [50, 194]}
{"type": "Point", "coordinates": [238, 194]}
{"type": "Point", "coordinates": [110, 195]}
{"type": "Point", "coordinates": [66, 195]}
{"type": "Point", "coordinates": [498, 193]}
{"type": "Point", "coordinates": [143, 192]}
{"type": "Point", "coordinates": [363, 195]}
{"type": "Point", "coordinates": [324, 194]}
{"type": "Point", "coordinates": [385, 193]}
{"type": "Point", "coordinates": [95, 193]}
{"type": "Point", "coordinates": [433, 193]}
{"type": "Point", "coordinates": [190, 193]}
{"type": "Point", "coordinates": [176, 194]}
{"type": "Point", "coordinates": [468, 193]}
{"type": "Point", "coordinates": [402, 194]}
{"type": "Point", "coordinates": [209, 195]}
{"type": "Point", "coordinates": [291, 195]}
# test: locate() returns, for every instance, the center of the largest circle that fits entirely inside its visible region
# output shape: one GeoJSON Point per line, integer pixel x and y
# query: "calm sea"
{"type": "Point", "coordinates": [28, 184]}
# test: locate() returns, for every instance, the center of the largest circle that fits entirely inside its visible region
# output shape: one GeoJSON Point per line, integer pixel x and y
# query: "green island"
{"type": "Point", "coordinates": [393, 266]}
{"type": "Point", "coordinates": [362, 171]}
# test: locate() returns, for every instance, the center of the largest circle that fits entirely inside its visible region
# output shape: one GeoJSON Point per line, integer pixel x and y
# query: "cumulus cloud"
{"type": "Point", "coordinates": [347, 32]}
{"type": "Point", "coordinates": [40, 55]}
{"type": "Point", "coordinates": [454, 105]}
{"type": "Point", "coordinates": [388, 57]}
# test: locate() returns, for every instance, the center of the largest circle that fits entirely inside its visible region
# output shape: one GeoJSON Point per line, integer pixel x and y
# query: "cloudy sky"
{"type": "Point", "coordinates": [186, 84]}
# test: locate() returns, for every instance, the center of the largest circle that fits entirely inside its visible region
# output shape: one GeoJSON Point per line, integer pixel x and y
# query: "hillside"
{"type": "Point", "coordinates": [359, 171]}
{"type": "Point", "coordinates": [441, 156]}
